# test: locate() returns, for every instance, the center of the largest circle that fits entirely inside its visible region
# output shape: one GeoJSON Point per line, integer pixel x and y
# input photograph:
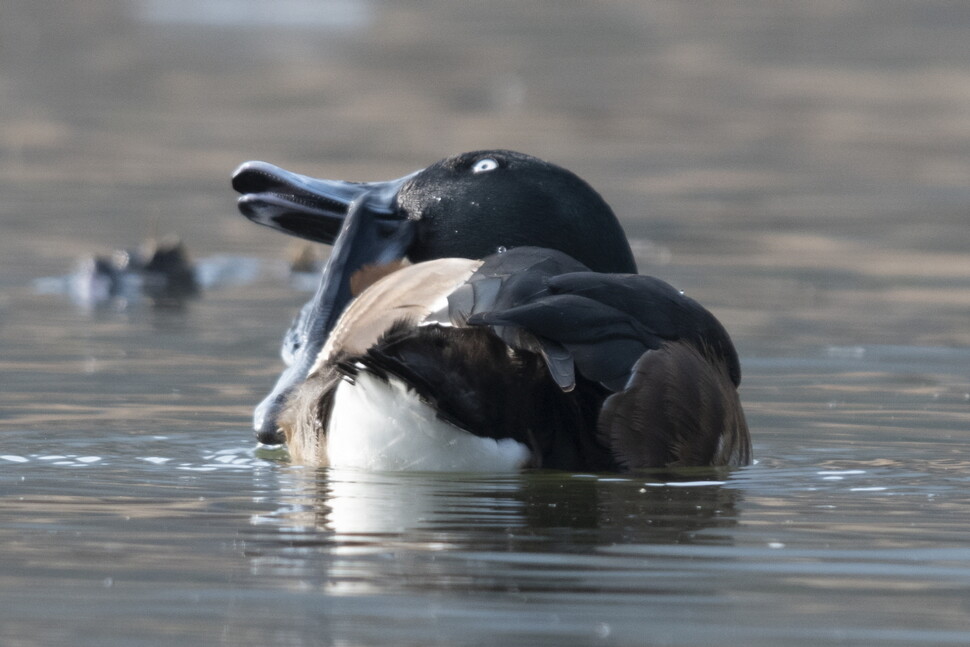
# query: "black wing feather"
{"type": "Point", "coordinates": [546, 301]}
{"type": "Point", "coordinates": [659, 307]}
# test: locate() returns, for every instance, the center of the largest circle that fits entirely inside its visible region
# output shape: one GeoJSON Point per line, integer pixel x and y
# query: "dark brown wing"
{"type": "Point", "coordinates": [679, 409]}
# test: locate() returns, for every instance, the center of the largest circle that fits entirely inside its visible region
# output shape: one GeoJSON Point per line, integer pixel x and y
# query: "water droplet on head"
{"type": "Point", "coordinates": [502, 249]}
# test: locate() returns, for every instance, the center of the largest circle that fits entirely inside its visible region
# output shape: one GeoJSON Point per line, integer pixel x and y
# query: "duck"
{"type": "Point", "coordinates": [159, 269]}
{"type": "Point", "coordinates": [486, 314]}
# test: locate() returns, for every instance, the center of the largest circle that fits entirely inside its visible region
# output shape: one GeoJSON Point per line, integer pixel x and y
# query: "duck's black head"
{"type": "Point", "coordinates": [468, 206]}
{"type": "Point", "coordinates": [471, 204]}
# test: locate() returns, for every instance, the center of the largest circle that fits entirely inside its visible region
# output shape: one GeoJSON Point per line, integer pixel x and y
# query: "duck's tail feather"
{"type": "Point", "coordinates": [678, 409]}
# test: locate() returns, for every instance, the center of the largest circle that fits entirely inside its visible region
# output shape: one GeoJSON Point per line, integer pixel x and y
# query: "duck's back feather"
{"type": "Point", "coordinates": [408, 294]}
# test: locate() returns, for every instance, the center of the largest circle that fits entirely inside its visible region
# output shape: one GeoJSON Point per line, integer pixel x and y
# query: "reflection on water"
{"type": "Point", "coordinates": [347, 531]}
{"type": "Point", "coordinates": [546, 558]}
{"type": "Point", "coordinates": [352, 505]}
{"type": "Point", "coordinates": [800, 168]}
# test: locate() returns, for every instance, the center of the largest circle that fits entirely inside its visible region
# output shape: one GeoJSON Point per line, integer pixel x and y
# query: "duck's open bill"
{"type": "Point", "coordinates": [308, 207]}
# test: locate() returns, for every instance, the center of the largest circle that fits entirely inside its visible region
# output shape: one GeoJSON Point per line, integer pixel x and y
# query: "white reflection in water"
{"type": "Point", "coordinates": [360, 504]}
{"type": "Point", "coordinates": [367, 533]}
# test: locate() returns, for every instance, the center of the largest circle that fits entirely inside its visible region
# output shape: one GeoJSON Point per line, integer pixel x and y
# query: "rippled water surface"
{"type": "Point", "coordinates": [799, 168]}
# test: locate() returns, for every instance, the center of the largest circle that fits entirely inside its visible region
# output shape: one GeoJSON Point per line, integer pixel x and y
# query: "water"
{"type": "Point", "coordinates": [799, 169]}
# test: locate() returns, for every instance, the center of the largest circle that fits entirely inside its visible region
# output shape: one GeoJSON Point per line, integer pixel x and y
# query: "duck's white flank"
{"type": "Point", "coordinates": [377, 425]}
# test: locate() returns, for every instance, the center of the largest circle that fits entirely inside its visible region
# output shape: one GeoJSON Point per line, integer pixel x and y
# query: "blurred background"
{"type": "Point", "coordinates": [801, 167]}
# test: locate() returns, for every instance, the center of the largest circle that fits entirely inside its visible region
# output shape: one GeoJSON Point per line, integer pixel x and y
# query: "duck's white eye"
{"type": "Point", "coordinates": [484, 165]}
